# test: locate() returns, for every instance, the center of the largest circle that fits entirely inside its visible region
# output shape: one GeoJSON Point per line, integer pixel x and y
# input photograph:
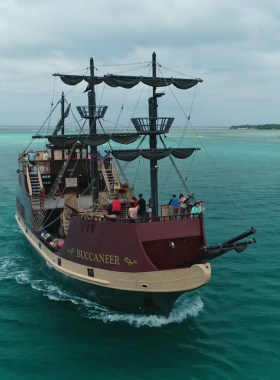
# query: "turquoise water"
{"type": "Point", "coordinates": [228, 329]}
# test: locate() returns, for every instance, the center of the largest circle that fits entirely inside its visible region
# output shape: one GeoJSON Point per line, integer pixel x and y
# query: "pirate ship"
{"type": "Point", "coordinates": [138, 265]}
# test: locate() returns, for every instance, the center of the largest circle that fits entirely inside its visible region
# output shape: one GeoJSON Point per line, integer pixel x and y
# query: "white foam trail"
{"type": "Point", "coordinates": [187, 306]}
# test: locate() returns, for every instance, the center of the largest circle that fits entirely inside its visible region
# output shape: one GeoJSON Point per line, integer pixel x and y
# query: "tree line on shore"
{"type": "Point", "coordinates": [260, 126]}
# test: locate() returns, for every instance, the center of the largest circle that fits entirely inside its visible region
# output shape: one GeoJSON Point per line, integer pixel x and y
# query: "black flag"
{"type": "Point", "coordinates": [88, 88]}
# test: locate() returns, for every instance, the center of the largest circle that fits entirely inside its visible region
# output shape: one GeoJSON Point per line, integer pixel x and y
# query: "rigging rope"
{"type": "Point", "coordinates": [175, 71]}
{"type": "Point", "coordinates": [124, 71]}
{"type": "Point", "coordinates": [136, 174]}
{"type": "Point", "coordinates": [177, 170]}
{"type": "Point", "coordinates": [51, 104]}
{"type": "Point", "coordinates": [72, 170]}
{"type": "Point", "coordinates": [180, 141]}
{"type": "Point", "coordinates": [127, 64]}
{"type": "Point", "coordinates": [140, 143]}
{"type": "Point", "coordinates": [223, 181]}
{"type": "Point", "coordinates": [42, 125]}
{"type": "Point", "coordinates": [213, 163]}
{"type": "Point", "coordinates": [117, 161]}
{"type": "Point", "coordinates": [120, 111]}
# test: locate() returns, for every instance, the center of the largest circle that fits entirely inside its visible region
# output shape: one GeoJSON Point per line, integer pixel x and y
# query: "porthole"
{"type": "Point", "coordinates": [90, 272]}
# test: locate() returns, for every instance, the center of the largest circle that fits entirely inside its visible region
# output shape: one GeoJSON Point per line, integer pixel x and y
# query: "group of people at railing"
{"type": "Point", "coordinates": [47, 238]}
{"type": "Point", "coordinates": [181, 208]}
{"type": "Point", "coordinates": [183, 205]}
{"type": "Point", "coordinates": [29, 159]}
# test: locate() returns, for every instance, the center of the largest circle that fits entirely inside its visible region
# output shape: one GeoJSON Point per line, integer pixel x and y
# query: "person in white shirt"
{"type": "Point", "coordinates": [46, 156]}
{"type": "Point", "coordinates": [132, 211]}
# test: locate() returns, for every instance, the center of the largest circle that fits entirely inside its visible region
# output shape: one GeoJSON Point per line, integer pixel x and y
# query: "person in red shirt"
{"type": "Point", "coordinates": [42, 196]}
{"type": "Point", "coordinates": [135, 201]}
{"type": "Point", "coordinates": [116, 207]}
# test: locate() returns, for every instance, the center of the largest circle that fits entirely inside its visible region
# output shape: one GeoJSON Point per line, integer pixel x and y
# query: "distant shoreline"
{"type": "Point", "coordinates": [258, 127]}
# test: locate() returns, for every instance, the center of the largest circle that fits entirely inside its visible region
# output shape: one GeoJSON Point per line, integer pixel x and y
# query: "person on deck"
{"type": "Point", "coordinates": [116, 207]}
{"type": "Point", "coordinates": [150, 205]}
{"type": "Point", "coordinates": [132, 211]}
{"type": "Point", "coordinates": [174, 201]}
{"type": "Point", "coordinates": [107, 159]}
{"type": "Point", "coordinates": [135, 201]}
{"type": "Point", "coordinates": [183, 204]}
{"type": "Point", "coordinates": [196, 208]}
{"type": "Point", "coordinates": [46, 156]}
{"type": "Point", "coordinates": [202, 208]}
{"type": "Point", "coordinates": [55, 244]}
{"type": "Point", "coordinates": [32, 156]}
{"type": "Point", "coordinates": [117, 187]}
{"type": "Point", "coordinates": [26, 159]}
{"type": "Point", "coordinates": [42, 196]}
{"type": "Point", "coordinates": [44, 234]}
{"type": "Point", "coordinates": [57, 192]}
{"type": "Point", "coordinates": [141, 206]}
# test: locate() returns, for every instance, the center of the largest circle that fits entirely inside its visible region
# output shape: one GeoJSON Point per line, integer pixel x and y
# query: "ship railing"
{"type": "Point", "coordinates": [98, 218]}
{"type": "Point", "coordinates": [28, 181]}
{"type": "Point", "coordinates": [40, 179]}
{"type": "Point", "coordinates": [114, 172]}
{"type": "Point", "coordinates": [88, 112]}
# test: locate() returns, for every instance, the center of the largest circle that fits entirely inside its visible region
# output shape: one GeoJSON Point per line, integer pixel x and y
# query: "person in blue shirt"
{"type": "Point", "coordinates": [32, 156]}
{"type": "Point", "coordinates": [174, 201]}
{"type": "Point", "coordinates": [107, 159]}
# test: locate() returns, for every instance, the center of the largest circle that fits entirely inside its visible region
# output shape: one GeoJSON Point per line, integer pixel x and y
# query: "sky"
{"type": "Point", "coordinates": [232, 45]}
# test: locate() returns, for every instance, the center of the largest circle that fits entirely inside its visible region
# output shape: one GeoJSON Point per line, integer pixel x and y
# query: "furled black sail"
{"type": "Point", "coordinates": [129, 81]}
{"type": "Point", "coordinates": [67, 141]}
{"type": "Point", "coordinates": [152, 154]}
{"type": "Point", "coordinates": [61, 121]}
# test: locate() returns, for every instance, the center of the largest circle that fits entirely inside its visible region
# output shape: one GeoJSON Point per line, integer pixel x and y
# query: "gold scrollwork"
{"type": "Point", "coordinates": [71, 250]}
{"type": "Point", "coordinates": [129, 262]}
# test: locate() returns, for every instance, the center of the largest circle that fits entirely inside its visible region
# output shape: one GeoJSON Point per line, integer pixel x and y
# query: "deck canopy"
{"type": "Point", "coordinates": [152, 154]}
{"type": "Point", "coordinates": [129, 81]}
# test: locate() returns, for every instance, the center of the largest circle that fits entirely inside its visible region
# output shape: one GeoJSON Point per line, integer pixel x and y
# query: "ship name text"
{"type": "Point", "coordinates": [98, 258]}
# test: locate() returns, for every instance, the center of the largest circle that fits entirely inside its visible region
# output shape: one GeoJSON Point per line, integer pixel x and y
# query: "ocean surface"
{"type": "Point", "coordinates": [229, 329]}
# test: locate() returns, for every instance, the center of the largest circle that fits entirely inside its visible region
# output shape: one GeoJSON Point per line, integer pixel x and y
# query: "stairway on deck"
{"type": "Point", "coordinates": [35, 184]}
{"type": "Point", "coordinates": [112, 182]}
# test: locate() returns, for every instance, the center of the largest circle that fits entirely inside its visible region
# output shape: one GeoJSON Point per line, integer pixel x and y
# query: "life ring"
{"type": "Point", "coordinates": [62, 232]}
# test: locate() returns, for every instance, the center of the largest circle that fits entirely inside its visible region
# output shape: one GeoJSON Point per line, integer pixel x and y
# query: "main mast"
{"type": "Point", "coordinates": [92, 131]}
{"type": "Point", "coordinates": [153, 143]}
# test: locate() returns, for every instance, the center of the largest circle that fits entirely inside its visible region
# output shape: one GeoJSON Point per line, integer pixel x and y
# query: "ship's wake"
{"type": "Point", "coordinates": [187, 306]}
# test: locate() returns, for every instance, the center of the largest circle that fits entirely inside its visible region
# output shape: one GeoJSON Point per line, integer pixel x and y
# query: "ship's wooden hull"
{"type": "Point", "coordinates": [118, 286]}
